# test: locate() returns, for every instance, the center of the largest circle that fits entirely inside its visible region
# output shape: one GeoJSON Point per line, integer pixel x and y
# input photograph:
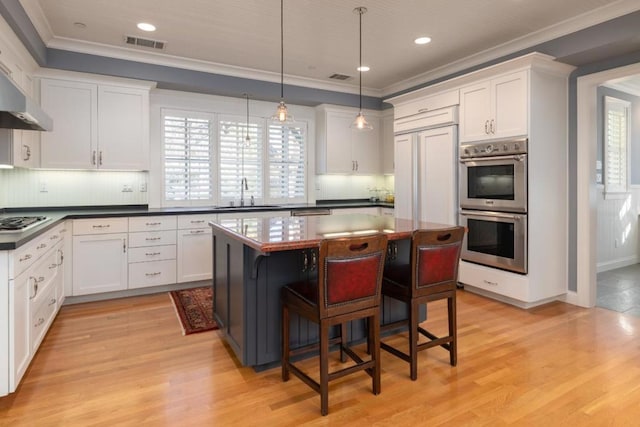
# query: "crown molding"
{"type": "Point", "coordinates": [580, 22]}
{"type": "Point", "coordinates": [156, 58]}
{"type": "Point", "coordinates": [38, 19]}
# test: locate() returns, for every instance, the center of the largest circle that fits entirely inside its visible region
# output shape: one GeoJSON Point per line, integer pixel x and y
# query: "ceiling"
{"type": "Point", "coordinates": [242, 38]}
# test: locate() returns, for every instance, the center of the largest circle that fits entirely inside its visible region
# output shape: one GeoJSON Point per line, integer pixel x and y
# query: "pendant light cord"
{"type": "Point", "coordinates": [360, 69]}
{"type": "Point", "coordinates": [281, 49]}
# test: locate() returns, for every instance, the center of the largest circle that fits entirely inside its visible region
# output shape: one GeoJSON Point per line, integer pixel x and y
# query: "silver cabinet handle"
{"type": "Point", "coordinates": [490, 283]}
{"type": "Point", "coordinates": [39, 322]}
{"type": "Point", "coordinates": [196, 231]}
{"type": "Point", "coordinates": [100, 158]}
{"type": "Point", "coordinates": [357, 166]}
{"type": "Point", "coordinates": [93, 158]}
{"type": "Point", "coordinates": [54, 237]}
{"type": "Point", "coordinates": [26, 257]}
{"type": "Point", "coordinates": [53, 301]}
{"type": "Point", "coordinates": [492, 126]}
{"type": "Point", "coordinates": [41, 246]}
{"type": "Point", "coordinates": [200, 221]}
{"type": "Point", "coordinates": [153, 223]}
{"type": "Point", "coordinates": [486, 127]}
{"type": "Point", "coordinates": [314, 260]}
{"type": "Point", "coordinates": [52, 266]}
{"type": "Point", "coordinates": [423, 110]}
{"type": "Point", "coordinates": [61, 254]}
{"type": "Point", "coordinates": [101, 226]}
{"type": "Point", "coordinates": [150, 239]}
{"type": "Point", "coordinates": [27, 152]}
{"type": "Point", "coordinates": [305, 261]}
{"type": "Point", "coordinates": [124, 246]}
{"type": "Point", "coordinates": [157, 273]}
{"type": "Point", "coordinates": [152, 253]}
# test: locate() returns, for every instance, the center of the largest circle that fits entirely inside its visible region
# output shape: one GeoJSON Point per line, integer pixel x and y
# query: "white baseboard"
{"type": "Point", "coordinates": [617, 263]}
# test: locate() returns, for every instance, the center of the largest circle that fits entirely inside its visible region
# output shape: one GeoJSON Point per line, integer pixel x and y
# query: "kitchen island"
{"type": "Point", "coordinates": [254, 257]}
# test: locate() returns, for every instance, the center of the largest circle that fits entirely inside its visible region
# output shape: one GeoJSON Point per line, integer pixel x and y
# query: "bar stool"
{"type": "Point", "coordinates": [348, 288]}
{"type": "Point", "coordinates": [431, 275]}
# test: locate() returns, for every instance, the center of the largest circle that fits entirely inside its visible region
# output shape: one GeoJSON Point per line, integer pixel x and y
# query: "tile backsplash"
{"type": "Point", "coordinates": [38, 188]}
{"type": "Point", "coordinates": [35, 188]}
{"type": "Point", "coordinates": [336, 187]}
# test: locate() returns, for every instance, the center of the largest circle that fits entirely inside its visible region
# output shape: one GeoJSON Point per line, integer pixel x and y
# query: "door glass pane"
{"type": "Point", "coordinates": [491, 238]}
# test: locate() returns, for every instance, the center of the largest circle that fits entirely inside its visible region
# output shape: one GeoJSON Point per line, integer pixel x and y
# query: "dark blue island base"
{"type": "Point", "coordinates": [246, 289]}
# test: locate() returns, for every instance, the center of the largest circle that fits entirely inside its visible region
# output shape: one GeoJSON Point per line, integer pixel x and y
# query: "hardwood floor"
{"type": "Point", "coordinates": [125, 362]}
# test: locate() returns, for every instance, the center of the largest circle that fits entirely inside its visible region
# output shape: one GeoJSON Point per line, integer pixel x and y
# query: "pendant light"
{"type": "Point", "coordinates": [360, 123]}
{"type": "Point", "coordinates": [282, 114]}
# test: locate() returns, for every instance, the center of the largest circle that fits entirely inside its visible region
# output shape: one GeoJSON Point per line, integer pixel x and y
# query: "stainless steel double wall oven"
{"type": "Point", "coordinates": [493, 203]}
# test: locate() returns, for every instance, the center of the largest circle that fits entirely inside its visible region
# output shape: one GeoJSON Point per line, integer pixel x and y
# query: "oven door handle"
{"type": "Point", "coordinates": [518, 157]}
{"type": "Point", "coordinates": [492, 215]}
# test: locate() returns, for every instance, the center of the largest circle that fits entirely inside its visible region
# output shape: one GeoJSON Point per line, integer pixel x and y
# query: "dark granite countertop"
{"type": "Point", "coordinates": [9, 241]}
{"type": "Point", "coordinates": [273, 233]}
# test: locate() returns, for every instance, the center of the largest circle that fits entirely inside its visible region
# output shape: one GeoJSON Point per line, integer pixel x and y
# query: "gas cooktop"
{"type": "Point", "coordinates": [15, 224]}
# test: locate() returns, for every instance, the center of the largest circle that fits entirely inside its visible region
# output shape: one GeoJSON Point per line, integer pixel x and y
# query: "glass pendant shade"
{"type": "Point", "coordinates": [360, 123]}
{"type": "Point", "coordinates": [282, 114]}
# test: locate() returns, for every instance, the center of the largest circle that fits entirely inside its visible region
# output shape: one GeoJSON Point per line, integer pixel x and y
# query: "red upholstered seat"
{"type": "Point", "coordinates": [432, 274]}
{"type": "Point", "coordinates": [348, 288]}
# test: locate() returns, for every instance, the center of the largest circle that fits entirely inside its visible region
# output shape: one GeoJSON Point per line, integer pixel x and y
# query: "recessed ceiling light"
{"type": "Point", "coordinates": [422, 40]}
{"type": "Point", "coordinates": [363, 68]}
{"type": "Point", "coordinates": [146, 27]}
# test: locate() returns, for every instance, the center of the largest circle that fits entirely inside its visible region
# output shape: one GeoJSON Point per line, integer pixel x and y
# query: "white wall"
{"type": "Point", "coordinates": [617, 230]}
{"type": "Point", "coordinates": [22, 188]}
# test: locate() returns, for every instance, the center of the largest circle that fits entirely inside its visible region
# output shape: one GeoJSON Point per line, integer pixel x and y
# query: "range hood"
{"type": "Point", "coordinates": [17, 111]}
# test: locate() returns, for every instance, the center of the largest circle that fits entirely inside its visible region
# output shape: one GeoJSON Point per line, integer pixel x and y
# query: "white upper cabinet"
{"type": "Point", "coordinates": [73, 108]}
{"type": "Point", "coordinates": [340, 149]}
{"type": "Point", "coordinates": [95, 126]}
{"type": "Point", "coordinates": [404, 181]}
{"type": "Point", "coordinates": [123, 128]}
{"type": "Point", "coordinates": [495, 108]}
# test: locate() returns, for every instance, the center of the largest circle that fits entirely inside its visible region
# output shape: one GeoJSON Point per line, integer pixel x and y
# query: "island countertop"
{"type": "Point", "coordinates": [281, 233]}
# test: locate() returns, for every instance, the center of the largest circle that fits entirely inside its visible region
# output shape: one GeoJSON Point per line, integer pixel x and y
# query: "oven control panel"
{"type": "Point", "coordinates": [492, 149]}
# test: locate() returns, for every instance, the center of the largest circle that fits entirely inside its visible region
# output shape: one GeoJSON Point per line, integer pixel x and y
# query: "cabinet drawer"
{"type": "Point", "coordinates": [100, 226]}
{"type": "Point", "coordinates": [143, 274]}
{"type": "Point", "coordinates": [42, 316]}
{"type": "Point", "coordinates": [152, 238]}
{"type": "Point", "coordinates": [41, 275]}
{"type": "Point", "coordinates": [497, 281]}
{"type": "Point", "coordinates": [418, 106]}
{"type": "Point", "coordinates": [152, 223]}
{"type": "Point", "coordinates": [152, 253]}
{"type": "Point", "coordinates": [195, 221]}
{"type": "Point", "coordinates": [26, 255]}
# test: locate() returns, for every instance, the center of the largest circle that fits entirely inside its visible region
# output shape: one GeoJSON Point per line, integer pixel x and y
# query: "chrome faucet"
{"type": "Point", "coordinates": [243, 186]}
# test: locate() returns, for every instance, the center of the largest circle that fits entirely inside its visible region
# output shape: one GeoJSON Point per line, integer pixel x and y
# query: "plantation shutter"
{"type": "Point", "coordinates": [616, 145]}
{"type": "Point", "coordinates": [287, 162]}
{"type": "Point", "coordinates": [239, 159]}
{"type": "Point", "coordinates": [188, 154]}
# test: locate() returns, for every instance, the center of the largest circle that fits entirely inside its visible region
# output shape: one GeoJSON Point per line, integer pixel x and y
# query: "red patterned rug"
{"type": "Point", "coordinates": [195, 309]}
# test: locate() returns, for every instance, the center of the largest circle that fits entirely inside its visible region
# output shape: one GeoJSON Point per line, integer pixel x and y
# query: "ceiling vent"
{"type": "Point", "coordinates": [139, 41]}
{"type": "Point", "coordinates": [339, 76]}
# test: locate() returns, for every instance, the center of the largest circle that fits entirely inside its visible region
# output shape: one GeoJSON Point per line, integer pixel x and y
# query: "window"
{"type": "Point", "coordinates": [616, 145]}
{"type": "Point", "coordinates": [240, 159]}
{"type": "Point", "coordinates": [206, 158]}
{"type": "Point", "coordinates": [287, 162]}
{"type": "Point", "coordinates": [188, 155]}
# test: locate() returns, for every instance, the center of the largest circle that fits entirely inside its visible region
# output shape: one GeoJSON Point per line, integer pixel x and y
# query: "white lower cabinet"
{"type": "Point", "coordinates": [99, 255]}
{"type": "Point", "coordinates": [19, 339]}
{"type": "Point", "coordinates": [33, 301]}
{"type": "Point", "coordinates": [194, 255]}
{"type": "Point", "coordinates": [152, 256]}
{"type": "Point", "coordinates": [194, 247]}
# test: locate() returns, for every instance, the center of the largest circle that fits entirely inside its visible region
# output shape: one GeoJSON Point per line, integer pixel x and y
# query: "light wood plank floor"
{"type": "Point", "coordinates": [125, 362]}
